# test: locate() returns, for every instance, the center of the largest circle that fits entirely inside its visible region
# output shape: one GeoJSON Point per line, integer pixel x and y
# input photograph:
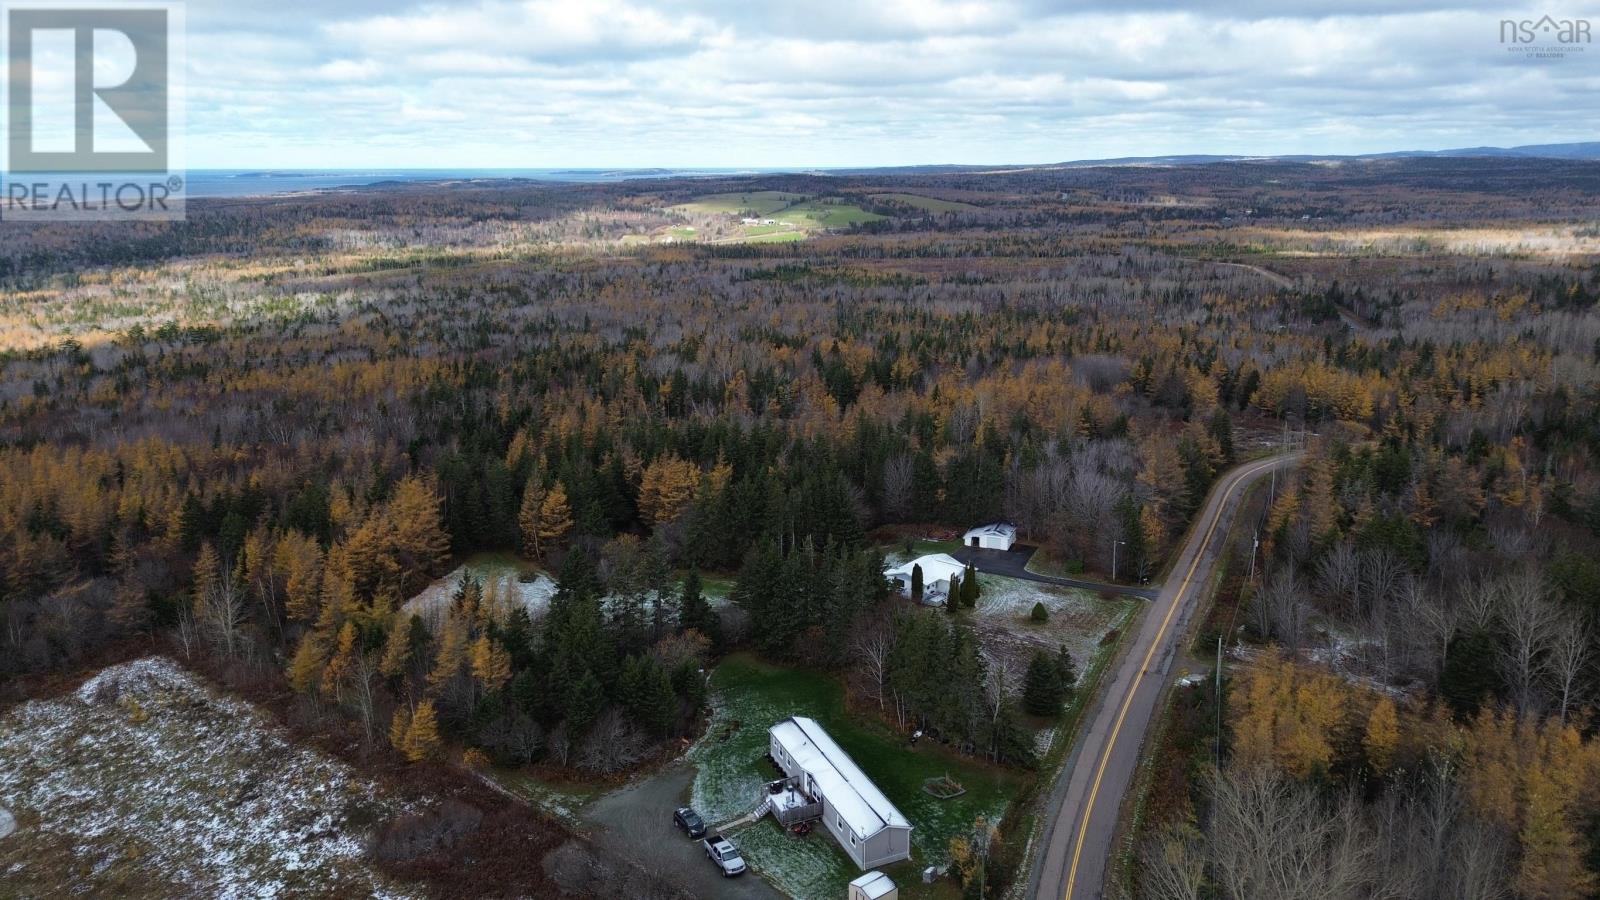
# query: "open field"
{"type": "Point", "coordinates": [827, 213]}
{"type": "Point", "coordinates": [796, 217]}
{"type": "Point", "coordinates": [928, 204]}
{"type": "Point", "coordinates": [147, 782]}
{"type": "Point", "coordinates": [750, 697]}
{"type": "Point", "coordinates": [1079, 619]}
{"type": "Point", "coordinates": [505, 581]}
{"type": "Point", "coordinates": [753, 203]}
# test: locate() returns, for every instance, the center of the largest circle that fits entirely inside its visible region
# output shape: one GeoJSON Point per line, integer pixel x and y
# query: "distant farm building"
{"type": "Point", "coordinates": [866, 825]}
{"type": "Point", "coordinates": [998, 536]}
{"type": "Point", "coordinates": [937, 570]}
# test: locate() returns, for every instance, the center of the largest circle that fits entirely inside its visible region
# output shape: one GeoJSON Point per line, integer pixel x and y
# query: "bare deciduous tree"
{"type": "Point", "coordinates": [1531, 622]}
{"type": "Point", "coordinates": [897, 487]}
{"type": "Point", "coordinates": [1569, 656]}
{"type": "Point", "coordinates": [871, 649]}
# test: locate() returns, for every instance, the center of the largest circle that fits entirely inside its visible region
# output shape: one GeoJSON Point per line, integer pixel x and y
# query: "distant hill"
{"type": "Point", "coordinates": [1588, 150]}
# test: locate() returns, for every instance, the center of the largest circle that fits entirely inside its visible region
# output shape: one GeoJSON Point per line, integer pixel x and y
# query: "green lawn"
{"type": "Point", "coordinates": [894, 552]}
{"type": "Point", "coordinates": [759, 203]}
{"type": "Point", "coordinates": [930, 204]}
{"type": "Point", "coordinates": [751, 696]}
{"type": "Point", "coordinates": [827, 214]}
{"type": "Point", "coordinates": [713, 586]}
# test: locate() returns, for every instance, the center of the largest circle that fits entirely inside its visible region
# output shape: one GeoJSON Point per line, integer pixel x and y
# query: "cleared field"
{"type": "Point", "coordinates": [822, 214]}
{"type": "Point", "coordinates": [507, 580]}
{"type": "Point", "coordinates": [145, 782]}
{"type": "Point", "coordinates": [757, 203]}
{"type": "Point", "coordinates": [1079, 619]}
{"type": "Point", "coordinates": [750, 696]}
{"type": "Point", "coordinates": [796, 216]}
{"type": "Point", "coordinates": [930, 204]}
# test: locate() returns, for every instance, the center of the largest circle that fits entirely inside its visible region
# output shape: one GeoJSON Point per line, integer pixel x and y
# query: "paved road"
{"type": "Point", "coordinates": [1013, 563]}
{"type": "Point", "coordinates": [636, 824]}
{"type": "Point", "coordinates": [1087, 800]}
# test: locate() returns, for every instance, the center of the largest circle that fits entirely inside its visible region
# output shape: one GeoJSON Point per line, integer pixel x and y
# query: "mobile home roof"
{"type": "Point", "coordinates": [846, 787]}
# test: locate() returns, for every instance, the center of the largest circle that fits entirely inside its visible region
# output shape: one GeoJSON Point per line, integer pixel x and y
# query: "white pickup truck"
{"type": "Point", "coordinates": [726, 856]}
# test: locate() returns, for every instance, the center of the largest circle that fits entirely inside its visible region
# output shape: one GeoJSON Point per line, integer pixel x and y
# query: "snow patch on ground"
{"type": "Point", "coordinates": [147, 781]}
{"type": "Point", "coordinates": [1079, 619]}
{"type": "Point", "coordinates": [501, 578]}
{"type": "Point", "coordinates": [8, 822]}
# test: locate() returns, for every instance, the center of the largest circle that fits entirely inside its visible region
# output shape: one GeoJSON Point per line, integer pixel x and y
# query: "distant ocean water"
{"type": "Point", "coordinates": [257, 182]}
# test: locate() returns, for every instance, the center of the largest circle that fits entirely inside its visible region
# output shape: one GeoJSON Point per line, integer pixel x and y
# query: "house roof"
{"type": "Point", "coordinates": [874, 885]}
{"type": "Point", "coordinates": [997, 529]}
{"type": "Point", "coordinates": [935, 567]}
{"type": "Point", "coordinates": [851, 793]}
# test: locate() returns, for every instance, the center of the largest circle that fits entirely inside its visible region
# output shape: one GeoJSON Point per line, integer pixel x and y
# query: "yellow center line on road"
{"type": "Point", "coordinates": [1127, 701]}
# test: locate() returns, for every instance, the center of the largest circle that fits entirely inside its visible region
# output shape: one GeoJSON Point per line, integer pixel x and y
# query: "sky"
{"type": "Point", "coordinates": [828, 83]}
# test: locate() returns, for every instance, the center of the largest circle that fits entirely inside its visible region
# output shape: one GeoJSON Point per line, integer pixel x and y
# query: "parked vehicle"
{"type": "Point", "coordinates": [726, 856]}
{"type": "Point", "coordinates": [689, 821]}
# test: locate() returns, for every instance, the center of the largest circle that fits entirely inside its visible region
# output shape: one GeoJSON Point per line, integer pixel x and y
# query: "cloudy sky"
{"type": "Point", "coordinates": [551, 83]}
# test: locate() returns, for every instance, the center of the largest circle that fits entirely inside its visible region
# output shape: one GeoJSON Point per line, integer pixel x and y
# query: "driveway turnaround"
{"type": "Point", "coordinates": [1082, 812]}
{"type": "Point", "coordinates": [636, 823]}
{"type": "Point", "coordinates": [1013, 563]}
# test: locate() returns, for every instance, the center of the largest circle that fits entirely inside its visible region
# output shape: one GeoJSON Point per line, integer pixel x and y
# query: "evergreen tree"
{"type": "Point", "coordinates": [916, 583]}
{"type": "Point", "coordinates": [695, 613]}
{"type": "Point", "coordinates": [1468, 677]}
{"type": "Point", "coordinates": [1042, 693]}
{"type": "Point", "coordinates": [1040, 614]}
{"type": "Point", "coordinates": [1067, 671]}
{"type": "Point", "coordinates": [969, 587]}
{"type": "Point", "coordinates": [1220, 426]}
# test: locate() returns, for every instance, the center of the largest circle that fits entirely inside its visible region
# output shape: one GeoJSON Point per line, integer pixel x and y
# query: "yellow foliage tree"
{"type": "Point", "coordinates": [555, 518]}
{"type": "Point", "coordinates": [1383, 736]}
{"type": "Point", "coordinates": [422, 734]}
{"type": "Point", "coordinates": [305, 670]}
{"type": "Point", "coordinates": [343, 659]}
{"type": "Point", "coordinates": [491, 664]}
{"type": "Point", "coordinates": [396, 648]}
{"type": "Point", "coordinates": [398, 726]}
{"type": "Point", "coordinates": [528, 516]}
{"type": "Point", "coordinates": [667, 486]}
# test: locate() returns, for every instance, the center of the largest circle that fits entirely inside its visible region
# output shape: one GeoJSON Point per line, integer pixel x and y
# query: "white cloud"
{"type": "Point", "coordinates": [845, 82]}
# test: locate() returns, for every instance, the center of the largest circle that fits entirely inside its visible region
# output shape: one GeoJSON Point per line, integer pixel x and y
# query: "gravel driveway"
{"type": "Point", "coordinates": [636, 823]}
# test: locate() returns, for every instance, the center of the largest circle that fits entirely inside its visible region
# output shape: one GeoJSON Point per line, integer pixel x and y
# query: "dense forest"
{"type": "Point", "coordinates": [259, 433]}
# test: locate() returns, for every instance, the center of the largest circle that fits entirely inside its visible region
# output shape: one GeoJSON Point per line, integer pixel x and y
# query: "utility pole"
{"type": "Point", "coordinates": [1114, 545]}
{"type": "Point", "coordinates": [1255, 541]}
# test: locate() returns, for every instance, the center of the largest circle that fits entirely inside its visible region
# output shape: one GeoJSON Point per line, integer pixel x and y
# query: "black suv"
{"type": "Point", "coordinates": [689, 821]}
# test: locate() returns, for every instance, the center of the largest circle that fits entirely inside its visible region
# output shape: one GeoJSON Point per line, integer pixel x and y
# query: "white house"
{"type": "Point", "coordinates": [873, 886]}
{"type": "Point", "coordinates": [863, 821]}
{"type": "Point", "coordinates": [937, 569]}
{"type": "Point", "coordinates": [998, 536]}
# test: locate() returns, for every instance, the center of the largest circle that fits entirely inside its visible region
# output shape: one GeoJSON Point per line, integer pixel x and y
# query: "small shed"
{"type": "Point", "coordinates": [998, 536]}
{"type": "Point", "coordinates": [873, 886]}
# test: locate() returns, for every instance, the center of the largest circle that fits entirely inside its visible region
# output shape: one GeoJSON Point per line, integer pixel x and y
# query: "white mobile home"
{"type": "Point", "coordinates": [937, 570]}
{"type": "Point", "coordinates": [998, 536]}
{"type": "Point", "coordinates": [863, 821]}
